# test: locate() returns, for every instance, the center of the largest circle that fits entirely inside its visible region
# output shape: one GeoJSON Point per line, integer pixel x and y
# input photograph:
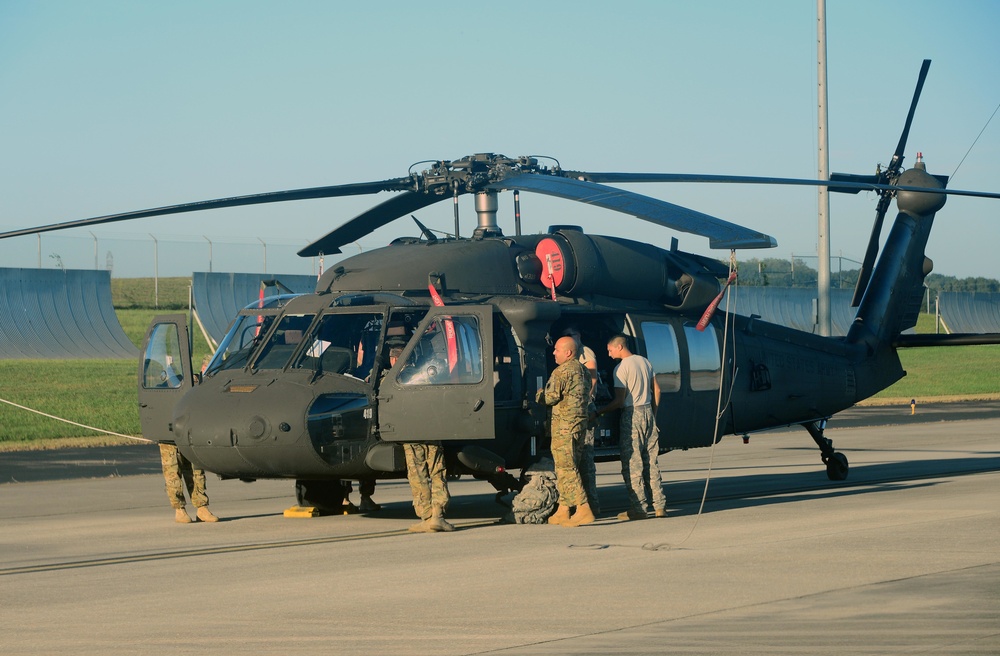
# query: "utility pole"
{"type": "Point", "coordinates": [209, 253]}
{"type": "Point", "coordinates": [823, 241]}
{"type": "Point", "coordinates": [156, 272]}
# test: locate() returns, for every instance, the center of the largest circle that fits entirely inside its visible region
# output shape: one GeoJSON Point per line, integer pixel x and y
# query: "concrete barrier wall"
{"type": "Point", "coordinates": [51, 313]}
{"type": "Point", "coordinates": [791, 306]}
{"type": "Point", "coordinates": [970, 312]}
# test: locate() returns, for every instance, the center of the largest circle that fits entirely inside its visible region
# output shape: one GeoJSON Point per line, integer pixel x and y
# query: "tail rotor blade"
{"type": "Point", "coordinates": [897, 157]}
{"type": "Point", "coordinates": [865, 273]}
{"type": "Point", "coordinates": [885, 196]}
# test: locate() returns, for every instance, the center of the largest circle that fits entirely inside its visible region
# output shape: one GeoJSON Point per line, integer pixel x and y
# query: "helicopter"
{"type": "Point", "coordinates": [302, 386]}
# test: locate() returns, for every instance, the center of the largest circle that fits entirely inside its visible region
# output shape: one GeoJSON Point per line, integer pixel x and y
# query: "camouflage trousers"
{"type": "Point", "coordinates": [640, 445]}
{"type": "Point", "coordinates": [427, 476]}
{"type": "Point", "coordinates": [177, 467]}
{"type": "Point", "coordinates": [567, 450]}
{"type": "Point", "coordinates": [588, 471]}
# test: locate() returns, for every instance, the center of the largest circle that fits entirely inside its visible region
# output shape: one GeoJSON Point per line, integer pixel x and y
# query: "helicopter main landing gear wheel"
{"type": "Point", "coordinates": [836, 463]}
{"type": "Point", "coordinates": [327, 497]}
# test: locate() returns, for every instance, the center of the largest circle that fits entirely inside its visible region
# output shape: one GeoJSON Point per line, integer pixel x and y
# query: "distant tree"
{"type": "Point", "coordinates": [939, 283]}
{"type": "Point", "coordinates": [776, 272]}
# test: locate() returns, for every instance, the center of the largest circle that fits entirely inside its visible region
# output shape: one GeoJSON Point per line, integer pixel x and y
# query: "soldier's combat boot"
{"type": "Point", "coordinates": [632, 514]}
{"type": "Point", "coordinates": [181, 516]}
{"type": "Point", "coordinates": [367, 505]}
{"type": "Point", "coordinates": [561, 516]}
{"type": "Point", "coordinates": [583, 515]}
{"type": "Point", "coordinates": [438, 522]}
{"type": "Point", "coordinates": [205, 515]}
{"type": "Point", "coordinates": [423, 526]}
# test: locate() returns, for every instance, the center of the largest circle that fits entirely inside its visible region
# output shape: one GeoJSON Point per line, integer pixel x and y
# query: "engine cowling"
{"type": "Point", "coordinates": [576, 264]}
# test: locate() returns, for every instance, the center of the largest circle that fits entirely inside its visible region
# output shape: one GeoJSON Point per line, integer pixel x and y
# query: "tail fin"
{"type": "Point", "coordinates": [892, 301]}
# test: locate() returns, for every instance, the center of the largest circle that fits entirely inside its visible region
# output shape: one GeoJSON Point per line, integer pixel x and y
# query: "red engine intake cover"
{"type": "Point", "coordinates": [553, 262]}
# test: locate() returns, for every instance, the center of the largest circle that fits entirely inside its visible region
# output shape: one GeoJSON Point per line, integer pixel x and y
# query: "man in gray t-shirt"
{"type": "Point", "coordinates": [637, 394]}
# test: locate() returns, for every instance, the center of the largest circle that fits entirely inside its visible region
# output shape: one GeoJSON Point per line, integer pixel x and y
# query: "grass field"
{"type": "Point", "coordinates": [102, 393]}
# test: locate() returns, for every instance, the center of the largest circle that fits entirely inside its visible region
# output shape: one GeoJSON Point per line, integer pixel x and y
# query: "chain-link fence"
{"type": "Point", "coordinates": [152, 256]}
{"type": "Point", "coordinates": [798, 271]}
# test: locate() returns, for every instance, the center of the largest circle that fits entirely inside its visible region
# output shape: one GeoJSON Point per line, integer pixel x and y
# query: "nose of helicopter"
{"type": "Point", "coordinates": [278, 429]}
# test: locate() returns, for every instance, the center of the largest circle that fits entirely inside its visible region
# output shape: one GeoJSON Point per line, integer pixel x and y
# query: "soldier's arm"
{"type": "Point", "coordinates": [591, 366]}
{"type": "Point", "coordinates": [618, 402]}
{"type": "Point", "coordinates": [553, 391]}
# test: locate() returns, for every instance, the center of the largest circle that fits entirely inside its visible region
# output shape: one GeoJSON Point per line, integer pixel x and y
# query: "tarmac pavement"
{"type": "Point", "coordinates": [901, 558]}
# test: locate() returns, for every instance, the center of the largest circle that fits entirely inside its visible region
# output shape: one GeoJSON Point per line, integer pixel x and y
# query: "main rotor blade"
{"type": "Point", "coordinates": [871, 180]}
{"type": "Point", "coordinates": [354, 189]}
{"type": "Point", "coordinates": [371, 220]}
{"type": "Point", "coordinates": [721, 234]}
{"type": "Point", "coordinates": [843, 182]}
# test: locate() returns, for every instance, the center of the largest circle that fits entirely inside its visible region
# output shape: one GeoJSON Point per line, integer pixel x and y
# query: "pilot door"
{"type": "Point", "coordinates": [164, 375]}
{"type": "Point", "coordinates": [441, 386]}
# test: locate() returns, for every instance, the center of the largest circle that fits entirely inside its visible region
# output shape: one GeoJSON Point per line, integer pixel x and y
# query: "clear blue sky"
{"type": "Point", "coordinates": [114, 106]}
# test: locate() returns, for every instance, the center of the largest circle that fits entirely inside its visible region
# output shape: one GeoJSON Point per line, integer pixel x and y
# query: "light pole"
{"type": "Point", "coordinates": [265, 253]}
{"type": "Point", "coordinates": [209, 253]}
{"type": "Point", "coordinates": [823, 243]}
{"type": "Point", "coordinates": [95, 249]}
{"type": "Point", "coordinates": [156, 272]}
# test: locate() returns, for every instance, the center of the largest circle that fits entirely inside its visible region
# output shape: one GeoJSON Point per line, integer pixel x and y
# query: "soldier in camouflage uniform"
{"type": "Point", "coordinates": [568, 392]}
{"type": "Point", "coordinates": [425, 472]}
{"type": "Point", "coordinates": [588, 470]}
{"type": "Point", "coordinates": [428, 479]}
{"type": "Point", "coordinates": [175, 468]}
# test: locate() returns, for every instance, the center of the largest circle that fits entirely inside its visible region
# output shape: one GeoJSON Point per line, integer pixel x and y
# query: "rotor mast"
{"type": "Point", "coordinates": [486, 212]}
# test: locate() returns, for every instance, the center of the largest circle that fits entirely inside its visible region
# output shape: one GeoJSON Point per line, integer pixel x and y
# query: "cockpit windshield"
{"type": "Point", "coordinates": [240, 342]}
{"type": "Point", "coordinates": [246, 333]}
{"type": "Point", "coordinates": [343, 343]}
{"type": "Point", "coordinates": [283, 340]}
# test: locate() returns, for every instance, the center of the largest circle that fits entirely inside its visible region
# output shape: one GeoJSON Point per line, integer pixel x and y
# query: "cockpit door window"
{"type": "Point", "coordinates": [164, 375]}
{"type": "Point", "coordinates": [449, 352]}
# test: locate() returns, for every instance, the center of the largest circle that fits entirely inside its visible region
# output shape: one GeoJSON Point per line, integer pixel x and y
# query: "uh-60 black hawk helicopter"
{"type": "Point", "coordinates": [301, 387]}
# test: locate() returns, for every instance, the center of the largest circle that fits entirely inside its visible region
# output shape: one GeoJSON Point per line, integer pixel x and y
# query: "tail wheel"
{"type": "Point", "coordinates": [836, 466]}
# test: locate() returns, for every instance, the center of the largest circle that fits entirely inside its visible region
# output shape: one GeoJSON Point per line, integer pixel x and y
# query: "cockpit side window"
{"type": "Point", "coordinates": [450, 352]}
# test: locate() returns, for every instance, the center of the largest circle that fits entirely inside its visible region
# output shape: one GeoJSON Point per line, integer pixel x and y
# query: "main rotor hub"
{"type": "Point", "coordinates": [473, 173]}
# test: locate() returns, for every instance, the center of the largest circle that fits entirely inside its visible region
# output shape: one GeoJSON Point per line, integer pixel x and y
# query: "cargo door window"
{"type": "Point", "coordinates": [663, 354]}
{"type": "Point", "coordinates": [705, 359]}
